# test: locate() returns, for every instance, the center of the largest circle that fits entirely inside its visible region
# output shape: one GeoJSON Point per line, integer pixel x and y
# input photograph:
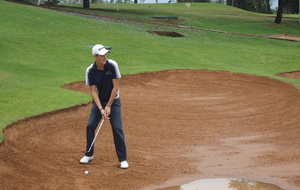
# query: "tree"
{"type": "Point", "coordinates": [267, 7]}
{"type": "Point", "coordinates": [248, 5]}
{"type": "Point", "coordinates": [291, 7]}
{"type": "Point", "coordinates": [279, 11]}
{"type": "Point", "coordinates": [263, 6]}
{"type": "Point", "coordinates": [86, 4]}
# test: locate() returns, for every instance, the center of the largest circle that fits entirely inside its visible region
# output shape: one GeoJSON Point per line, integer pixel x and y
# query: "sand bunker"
{"type": "Point", "coordinates": [180, 126]}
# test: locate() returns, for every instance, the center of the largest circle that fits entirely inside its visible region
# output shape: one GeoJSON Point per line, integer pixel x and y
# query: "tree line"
{"type": "Point", "coordinates": [259, 6]}
{"type": "Point", "coordinates": [263, 6]}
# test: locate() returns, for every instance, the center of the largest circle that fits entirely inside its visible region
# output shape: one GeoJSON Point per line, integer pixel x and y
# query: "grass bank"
{"type": "Point", "coordinates": [203, 15]}
{"type": "Point", "coordinates": [43, 49]}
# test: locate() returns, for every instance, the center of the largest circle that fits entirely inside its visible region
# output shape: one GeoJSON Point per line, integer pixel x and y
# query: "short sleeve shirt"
{"type": "Point", "coordinates": [103, 79]}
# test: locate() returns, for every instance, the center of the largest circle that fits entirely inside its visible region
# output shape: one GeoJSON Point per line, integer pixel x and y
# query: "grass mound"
{"type": "Point", "coordinates": [42, 49]}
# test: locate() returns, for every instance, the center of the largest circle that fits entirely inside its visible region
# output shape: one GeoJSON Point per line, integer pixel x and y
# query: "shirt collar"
{"type": "Point", "coordinates": [95, 66]}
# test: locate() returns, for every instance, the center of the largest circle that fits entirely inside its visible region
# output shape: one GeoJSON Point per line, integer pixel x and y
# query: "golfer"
{"type": "Point", "coordinates": [103, 78]}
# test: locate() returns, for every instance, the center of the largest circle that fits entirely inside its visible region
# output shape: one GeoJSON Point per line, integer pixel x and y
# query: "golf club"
{"type": "Point", "coordinates": [99, 127]}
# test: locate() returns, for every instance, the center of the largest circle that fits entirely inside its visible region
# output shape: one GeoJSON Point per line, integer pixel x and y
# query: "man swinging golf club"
{"type": "Point", "coordinates": [103, 78]}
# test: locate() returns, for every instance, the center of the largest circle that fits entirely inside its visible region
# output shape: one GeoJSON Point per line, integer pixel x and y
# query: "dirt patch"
{"type": "Point", "coordinates": [166, 33]}
{"type": "Point", "coordinates": [180, 126]}
{"type": "Point", "coordinates": [291, 75]}
{"type": "Point", "coordinates": [174, 21]}
{"type": "Point", "coordinates": [289, 37]}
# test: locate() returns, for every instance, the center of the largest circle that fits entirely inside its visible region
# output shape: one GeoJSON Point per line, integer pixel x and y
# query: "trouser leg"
{"type": "Point", "coordinates": [117, 129]}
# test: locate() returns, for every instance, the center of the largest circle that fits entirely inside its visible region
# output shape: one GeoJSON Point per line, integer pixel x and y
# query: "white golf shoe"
{"type": "Point", "coordinates": [86, 159]}
{"type": "Point", "coordinates": [124, 165]}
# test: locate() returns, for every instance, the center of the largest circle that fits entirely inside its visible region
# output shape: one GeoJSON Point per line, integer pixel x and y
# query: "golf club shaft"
{"type": "Point", "coordinates": [99, 127]}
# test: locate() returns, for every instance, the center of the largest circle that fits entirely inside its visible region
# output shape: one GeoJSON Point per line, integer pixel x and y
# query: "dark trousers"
{"type": "Point", "coordinates": [116, 124]}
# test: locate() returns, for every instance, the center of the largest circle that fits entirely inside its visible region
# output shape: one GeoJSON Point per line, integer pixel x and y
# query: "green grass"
{"type": "Point", "coordinates": [205, 15]}
{"type": "Point", "coordinates": [43, 49]}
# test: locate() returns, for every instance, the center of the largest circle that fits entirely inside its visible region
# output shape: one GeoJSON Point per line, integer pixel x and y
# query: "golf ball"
{"type": "Point", "coordinates": [86, 172]}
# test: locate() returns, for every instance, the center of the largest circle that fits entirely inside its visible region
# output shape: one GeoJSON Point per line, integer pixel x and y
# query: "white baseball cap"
{"type": "Point", "coordinates": [99, 49]}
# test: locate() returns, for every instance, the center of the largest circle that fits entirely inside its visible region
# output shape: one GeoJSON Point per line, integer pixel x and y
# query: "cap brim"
{"type": "Point", "coordinates": [108, 47]}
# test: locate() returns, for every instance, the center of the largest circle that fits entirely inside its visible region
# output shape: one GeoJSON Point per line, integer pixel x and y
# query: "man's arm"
{"type": "Point", "coordinates": [116, 83]}
{"type": "Point", "coordinates": [94, 94]}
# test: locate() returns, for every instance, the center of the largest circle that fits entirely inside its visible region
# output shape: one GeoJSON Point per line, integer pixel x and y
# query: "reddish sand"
{"type": "Point", "coordinates": [180, 126]}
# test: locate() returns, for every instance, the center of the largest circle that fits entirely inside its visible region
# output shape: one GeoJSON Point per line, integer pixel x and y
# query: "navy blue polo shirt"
{"type": "Point", "coordinates": [103, 79]}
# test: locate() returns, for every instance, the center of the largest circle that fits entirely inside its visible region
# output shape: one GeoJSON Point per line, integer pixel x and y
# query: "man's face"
{"type": "Point", "coordinates": [100, 58]}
